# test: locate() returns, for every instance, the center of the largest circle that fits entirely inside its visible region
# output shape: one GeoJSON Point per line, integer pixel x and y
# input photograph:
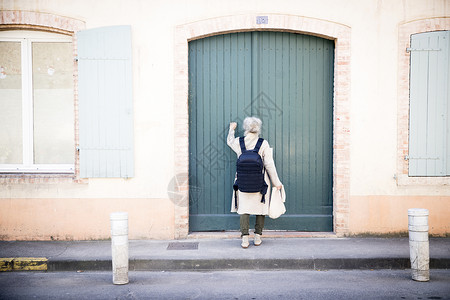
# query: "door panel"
{"type": "Point", "coordinates": [286, 80]}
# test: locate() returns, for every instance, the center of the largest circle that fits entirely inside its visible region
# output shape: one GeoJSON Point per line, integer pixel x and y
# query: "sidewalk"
{"type": "Point", "coordinates": [226, 254]}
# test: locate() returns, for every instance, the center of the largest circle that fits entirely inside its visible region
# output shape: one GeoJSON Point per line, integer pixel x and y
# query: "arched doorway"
{"type": "Point", "coordinates": [286, 79]}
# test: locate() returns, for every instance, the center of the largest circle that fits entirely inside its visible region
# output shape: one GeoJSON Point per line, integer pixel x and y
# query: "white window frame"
{"type": "Point", "coordinates": [26, 38]}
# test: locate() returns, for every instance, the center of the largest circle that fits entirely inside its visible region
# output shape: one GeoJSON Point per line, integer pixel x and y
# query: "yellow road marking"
{"type": "Point", "coordinates": [23, 264]}
{"type": "Point", "coordinates": [6, 264]}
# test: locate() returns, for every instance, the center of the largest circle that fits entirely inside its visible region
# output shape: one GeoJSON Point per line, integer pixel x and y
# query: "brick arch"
{"type": "Point", "coordinates": [341, 133]}
{"type": "Point", "coordinates": [16, 19]}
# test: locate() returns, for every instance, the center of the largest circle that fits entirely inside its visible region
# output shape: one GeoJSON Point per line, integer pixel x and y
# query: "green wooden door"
{"type": "Point", "coordinates": [285, 79]}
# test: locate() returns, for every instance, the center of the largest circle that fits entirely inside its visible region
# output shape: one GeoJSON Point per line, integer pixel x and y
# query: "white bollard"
{"type": "Point", "coordinates": [119, 247]}
{"type": "Point", "coordinates": [419, 248]}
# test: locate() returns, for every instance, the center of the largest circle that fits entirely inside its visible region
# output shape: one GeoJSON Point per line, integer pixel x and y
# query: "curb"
{"type": "Point", "coordinates": [44, 264]}
{"type": "Point", "coordinates": [245, 264]}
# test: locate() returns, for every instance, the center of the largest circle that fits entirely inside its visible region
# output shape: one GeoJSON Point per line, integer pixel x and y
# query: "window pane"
{"type": "Point", "coordinates": [53, 103]}
{"type": "Point", "coordinates": [10, 103]}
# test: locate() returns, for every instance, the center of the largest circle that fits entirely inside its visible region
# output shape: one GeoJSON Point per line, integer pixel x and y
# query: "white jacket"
{"type": "Point", "coordinates": [250, 203]}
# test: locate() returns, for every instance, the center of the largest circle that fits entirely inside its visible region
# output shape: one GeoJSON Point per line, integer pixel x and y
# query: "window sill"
{"type": "Point", "coordinates": [37, 169]}
{"type": "Point", "coordinates": [39, 174]}
{"type": "Point", "coordinates": [405, 180]}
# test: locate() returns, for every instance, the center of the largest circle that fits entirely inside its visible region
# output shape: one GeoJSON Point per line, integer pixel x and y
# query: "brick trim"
{"type": "Point", "coordinates": [39, 21]}
{"type": "Point", "coordinates": [404, 39]}
{"type": "Point", "coordinates": [26, 20]}
{"type": "Point", "coordinates": [340, 33]}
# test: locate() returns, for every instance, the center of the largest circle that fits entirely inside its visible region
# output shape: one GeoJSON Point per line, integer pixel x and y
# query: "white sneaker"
{"type": "Point", "coordinates": [257, 241]}
{"type": "Point", "coordinates": [245, 241]}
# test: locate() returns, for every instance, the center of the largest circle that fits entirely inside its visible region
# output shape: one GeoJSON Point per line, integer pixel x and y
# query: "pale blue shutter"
{"type": "Point", "coordinates": [105, 102]}
{"type": "Point", "coordinates": [428, 104]}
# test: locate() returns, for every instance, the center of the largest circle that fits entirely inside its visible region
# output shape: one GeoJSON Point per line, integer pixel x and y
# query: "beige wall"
{"type": "Point", "coordinates": [81, 219]}
{"type": "Point", "coordinates": [389, 214]}
{"type": "Point", "coordinates": [80, 209]}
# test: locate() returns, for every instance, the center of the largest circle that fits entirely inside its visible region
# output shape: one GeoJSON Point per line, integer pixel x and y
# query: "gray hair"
{"type": "Point", "coordinates": [252, 124]}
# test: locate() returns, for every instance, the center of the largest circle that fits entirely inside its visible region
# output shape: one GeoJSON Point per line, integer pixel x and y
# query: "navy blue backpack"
{"type": "Point", "coordinates": [250, 171]}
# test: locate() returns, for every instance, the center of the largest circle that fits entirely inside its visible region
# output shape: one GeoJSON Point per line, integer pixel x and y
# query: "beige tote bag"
{"type": "Point", "coordinates": [276, 205]}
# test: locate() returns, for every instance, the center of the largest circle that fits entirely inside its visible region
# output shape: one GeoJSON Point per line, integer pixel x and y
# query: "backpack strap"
{"type": "Point", "coordinates": [264, 191]}
{"type": "Point", "coordinates": [258, 144]}
{"type": "Point", "coordinates": [242, 143]}
{"type": "Point", "coordinates": [235, 188]}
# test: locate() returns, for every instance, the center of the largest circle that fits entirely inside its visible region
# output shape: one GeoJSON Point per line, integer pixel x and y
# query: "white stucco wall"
{"type": "Point", "coordinates": [373, 87]}
{"type": "Point", "coordinates": [373, 95]}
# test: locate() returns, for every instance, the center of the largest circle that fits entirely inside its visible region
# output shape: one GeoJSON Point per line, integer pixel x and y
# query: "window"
{"type": "Point", "coordinates": [36, 102]}
{"type": "Point", "coordinates": [429, 127]}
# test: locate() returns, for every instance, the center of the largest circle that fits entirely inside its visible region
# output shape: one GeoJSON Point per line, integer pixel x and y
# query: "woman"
{"type": "Point", "coordinates": [250, 203]}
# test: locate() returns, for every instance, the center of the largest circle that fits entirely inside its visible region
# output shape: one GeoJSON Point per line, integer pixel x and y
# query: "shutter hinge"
{"type": "Point", "coordinates": [407, 157]}
{"type": "Point", "coordinates": [423, 49]}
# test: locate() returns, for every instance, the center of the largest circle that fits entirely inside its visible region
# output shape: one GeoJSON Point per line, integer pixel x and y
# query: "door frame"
{"type": "Point", "coordinates": [340, 33]}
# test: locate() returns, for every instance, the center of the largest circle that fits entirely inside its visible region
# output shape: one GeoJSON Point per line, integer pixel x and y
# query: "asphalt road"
{"type": "Point", "coordinates": [331, 284]}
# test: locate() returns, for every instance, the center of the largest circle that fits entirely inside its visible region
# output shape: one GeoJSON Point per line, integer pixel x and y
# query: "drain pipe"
{"type": "Point", "coordinates": [119, 247]}
{"type": "Point", "coordinates": [419, 248]}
